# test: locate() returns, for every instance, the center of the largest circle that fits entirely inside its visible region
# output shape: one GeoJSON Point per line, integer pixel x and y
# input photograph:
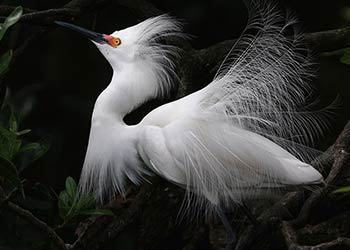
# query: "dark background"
{"type": "Point", "coordinates": [59, 77]}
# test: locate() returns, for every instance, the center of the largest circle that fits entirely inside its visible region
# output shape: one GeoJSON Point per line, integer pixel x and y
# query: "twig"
{"type": "Point", "coordinates": [291, 239]}
{"type": "Point", "coordinates": [341, 146]}
{"type": "Point", "coordinates": [33, 220]}
{"type": "Point", "coordinates": [339, 242]}
{"type": "Point", "coordinates": [141, 8]}
{"type": "Point", "coordinates": [45, 18]}
{"type": "Point", "coordinates": [6, 10]}
{"type": "Point", "coordinates": [271, 219]}
{"type": "Point", "coordinates": [28, 216]}
{"type": "Point", "coordinates": [318, 41]}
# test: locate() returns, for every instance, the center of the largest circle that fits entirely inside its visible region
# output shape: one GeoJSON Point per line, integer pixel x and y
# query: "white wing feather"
{"type": "Point", "coordinates": [240, 134]}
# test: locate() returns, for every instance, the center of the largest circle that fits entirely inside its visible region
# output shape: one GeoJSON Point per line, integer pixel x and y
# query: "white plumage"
{"type": "Point", "coordinates": [234, 139]}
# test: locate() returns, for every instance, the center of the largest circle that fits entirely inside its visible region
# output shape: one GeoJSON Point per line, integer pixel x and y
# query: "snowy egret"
{"type": "Point", "coordinates": [240, 137]}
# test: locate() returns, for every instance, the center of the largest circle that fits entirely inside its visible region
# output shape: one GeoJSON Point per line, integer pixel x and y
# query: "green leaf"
{"type": "Point", "coordinates": [343, 54]}
{"type": "Point", "coordinates": [31, 152]}
{"type": "Point", "coordinates": [16, 146]}
{"type": "Point", "coordinates": [11, 20]}
{"type": "Point", "coordinates": [8, 143]}
{"type": "Point", "coordinates": [14, 16]}
{"type": "Point", "coordinates": [30, 147]}
{"type": "Point", "coordinates": [23, 132]}
{"type": "Point", "coordinates": [338, 52]}
{"type": "Point", "coordinates": [65, 199]}
{"type": "Point", "coordinates": [13, 123]}
{"type": "Point", "coordinates": [71, 187]}
{"type": "Point", "coordinates": [342, 190]}
{"type": "Point", "coordinates": [5, 60]}
{"type": "Point", "coordinates": [97, 212]}
{"type": "Point", "coordinates": [64, 204]}
{"type": "Point", "coordinates": [9, 172]}
{"type": "Point", "coordinates": [85, 201]}
{"type": "Point", "coordinates": [345, 58]}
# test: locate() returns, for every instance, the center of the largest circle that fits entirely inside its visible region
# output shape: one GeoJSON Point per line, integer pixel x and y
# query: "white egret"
{"type": "Point", "coordinates": [239, 137]}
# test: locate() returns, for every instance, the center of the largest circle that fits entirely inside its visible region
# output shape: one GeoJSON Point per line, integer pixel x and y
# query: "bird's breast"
{"type": "Point", "coordinates": [111, 157]}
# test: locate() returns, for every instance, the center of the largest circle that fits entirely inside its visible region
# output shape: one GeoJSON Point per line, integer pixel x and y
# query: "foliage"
{"type": "Point", "coordinates": [10, 144]}
{"type": "Point", "coordinates": [14, 151]}
{"type": "Point", "coordinates": [15, 15]}
{"type": "Point", "coordinates": [17, 152]}
{"type": "Point", "coordinates": [71, 204]}
{"type": "Point", "coordinates": [343, 54]}
{"type": "Point", "coordinates": [342, 190]}
{"type": "Point", "coordinates": [10, 20]}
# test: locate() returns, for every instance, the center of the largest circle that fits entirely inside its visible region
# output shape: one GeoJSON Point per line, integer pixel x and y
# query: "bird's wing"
{"type": "Point", "coordinates": [235, 136]}
{"type": "Point", "coordinates": [219, 161]}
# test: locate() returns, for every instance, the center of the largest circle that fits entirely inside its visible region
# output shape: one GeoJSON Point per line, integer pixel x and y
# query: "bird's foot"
{"type": "Point", "coordinates": [231, 236]}
{"type": "Point", "coordinates": [231, 243]}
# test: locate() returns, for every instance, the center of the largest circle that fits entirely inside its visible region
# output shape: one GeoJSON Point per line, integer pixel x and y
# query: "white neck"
{"type": "Point", "coordinates": [132, 84]}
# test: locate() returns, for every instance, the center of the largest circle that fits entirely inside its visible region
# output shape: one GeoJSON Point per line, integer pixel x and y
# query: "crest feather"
{"type": "Point", "coordinates": [151, 37]}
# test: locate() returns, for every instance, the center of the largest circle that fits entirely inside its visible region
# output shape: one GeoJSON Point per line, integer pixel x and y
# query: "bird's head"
{"type": "Point", "coordinates": [137, 42]}
{"type": "Point", "coordinates": [144, 45]}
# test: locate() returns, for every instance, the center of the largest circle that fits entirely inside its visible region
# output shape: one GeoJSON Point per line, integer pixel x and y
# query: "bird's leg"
{"type": "Point", "coordinates": [243, 207]}
{"type": "Point", "coordinates": [231, 236]}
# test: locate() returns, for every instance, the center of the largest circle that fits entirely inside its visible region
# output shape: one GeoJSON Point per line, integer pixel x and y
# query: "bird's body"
{"type": "Point", "coordinates": [229, 141]}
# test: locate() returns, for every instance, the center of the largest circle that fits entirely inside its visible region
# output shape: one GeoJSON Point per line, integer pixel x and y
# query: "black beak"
{"type": "Point", "coordinates": [94, 36]}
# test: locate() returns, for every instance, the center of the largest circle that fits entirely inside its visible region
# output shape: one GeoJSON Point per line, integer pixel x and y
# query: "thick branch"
{"type": "Point", "coordinates": [341, 162]}
{"type": "Point", "coordinates": [69, 11]}
{"type": "Point", "coordinates": [66, 12]}
{"type": "Point", "coordinates": [47, 17]}
{"type": "Point", "coordinates": [270, 220]}
{"type": "Point", "coordinates": [328, 40]}
{"type": "Point", "coordinates": [319, 41]}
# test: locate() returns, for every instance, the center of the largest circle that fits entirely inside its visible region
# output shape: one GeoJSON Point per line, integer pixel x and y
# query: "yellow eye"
{"type": "Point", "coordinates": [116, 41]}
{"type": "Point", "coordinates": [112, 41]}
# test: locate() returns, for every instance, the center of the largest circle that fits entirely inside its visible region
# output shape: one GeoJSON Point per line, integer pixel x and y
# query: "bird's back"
{"type": "Point", "coordinates": [244, 132]}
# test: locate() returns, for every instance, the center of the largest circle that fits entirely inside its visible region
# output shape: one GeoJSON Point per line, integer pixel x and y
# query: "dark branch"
{"type": "Point", "coordinates": [141, 8]}
{"type": "Point", "coordinates": [271, 219]}
{"type": "Point", "coordinates": [328, 40]}
{"type": "Point", "coordinates": [47, 17]}
{"type": "Point", "coordinates": [5, 10]}
{"type": "Point", "coordinates": [32, 219]}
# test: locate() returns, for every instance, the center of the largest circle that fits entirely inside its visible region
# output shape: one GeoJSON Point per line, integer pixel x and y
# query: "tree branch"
{"type": "Point", "coordinates": [33, 220]}
{"type": "Point", "coordinates": [328, 40]}
{"type": "Point", "coordinates": [5, 10]}
{"type": "Point", "coordinates": [141, 8]}
{"type": "Point", "coordinates": [293, 203]}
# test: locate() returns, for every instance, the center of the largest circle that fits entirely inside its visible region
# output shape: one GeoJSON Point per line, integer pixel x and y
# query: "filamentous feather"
{"type": "Point", "coordinates": [263, 85]}
{"type": "Point", "coordinates": [240, 137]}
{"type": "Point", "coordinates": [245, 135]}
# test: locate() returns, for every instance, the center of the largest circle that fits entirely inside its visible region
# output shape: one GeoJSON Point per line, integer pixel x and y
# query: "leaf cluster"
{"type": "Point", "coordinates": [13, 18]}
{"type": "Point", "coordinates": [71, 204]}
{"type": "Point", "coordinates": [17, 152]}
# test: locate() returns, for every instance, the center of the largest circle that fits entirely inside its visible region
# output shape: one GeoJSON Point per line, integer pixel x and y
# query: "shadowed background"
{"type": "Point", "coordinates": [60, 76]}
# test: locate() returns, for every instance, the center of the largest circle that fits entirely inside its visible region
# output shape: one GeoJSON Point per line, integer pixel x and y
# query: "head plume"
{"type": "Point", "coordinates": [149, 42]}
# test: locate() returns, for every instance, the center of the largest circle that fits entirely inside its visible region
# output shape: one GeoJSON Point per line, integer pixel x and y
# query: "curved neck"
{"type": "Point", "coordinates": [131, 85]}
